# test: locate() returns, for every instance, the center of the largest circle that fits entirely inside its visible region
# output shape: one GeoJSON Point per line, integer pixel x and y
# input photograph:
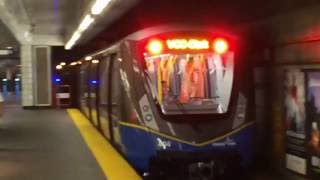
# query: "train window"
{"type": "Point", "coordinates": [93, 80]}
{"type": "Point", "coordinates": [191, 83]}
{"type": "Point", "coordinates": [104, 67]}
{"type": "Point", "coordinates": [115, 86]}
{"type": "Point", "coordinates": [103, 94]}
{"type": "Point", "coordinates": [115, 96]}
{"type": "Point", "coordinates": [84, 90]}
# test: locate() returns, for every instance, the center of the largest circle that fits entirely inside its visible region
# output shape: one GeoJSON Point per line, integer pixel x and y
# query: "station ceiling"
{"type": "Point", "coordinates": [57, 18]}
{"type": "Point", "coordinates": [48, 19]}
{"type": "Point", "coordinates": [8, 42]}
{"type": "Point", "coordinates": [223, 13]}
{"type": "Point", "coordinates": [51, 17]}
{"type": "Point", "coordinates": [7, 39]}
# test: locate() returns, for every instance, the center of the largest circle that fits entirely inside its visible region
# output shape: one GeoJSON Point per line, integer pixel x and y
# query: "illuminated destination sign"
{"type": "Point", "coordinates": [194, 44]}
{"type": "Point", "coordinates": [218, 45]}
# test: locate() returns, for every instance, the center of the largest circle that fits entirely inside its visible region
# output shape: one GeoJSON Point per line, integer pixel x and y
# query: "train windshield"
{"type": "Point", "coordinates": [199, 83]}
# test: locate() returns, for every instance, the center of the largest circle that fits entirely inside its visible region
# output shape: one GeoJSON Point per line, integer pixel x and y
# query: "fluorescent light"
{"type": "Point", "coordinates": [63, 63]}
{"type": "Point", "coordinates": [5, 52]}
{"type": "Point", "coordinates": [99, 6]}
{"type": "Point", "coordinates": [4, 80]}
{"type": "Point", "coordinates": [16, 79]}
{"type": "Point", "coordinates": [88, 58]}
{"type": "Point", "coordinates": [59, 67]}
{"type": "Point", "coordinates": [73, 63]}
{"type": "Point", "coordinates": [85, 23]}
{"type": "Point", "coordinates": [76, 35]}
{"type": "Point", "coordinates": [95, 61]}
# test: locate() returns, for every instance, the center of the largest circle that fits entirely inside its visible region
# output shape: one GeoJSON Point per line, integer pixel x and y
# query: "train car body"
{"type": "Point", "coordinates": [173, 99]}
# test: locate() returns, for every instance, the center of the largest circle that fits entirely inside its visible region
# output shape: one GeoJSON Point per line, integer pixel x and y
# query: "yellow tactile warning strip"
{"type": "Point", "coordinates": [110, 161]}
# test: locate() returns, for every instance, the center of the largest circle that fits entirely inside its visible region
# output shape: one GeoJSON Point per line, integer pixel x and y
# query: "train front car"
{"type": "Point", "coordinates": [192, 101]}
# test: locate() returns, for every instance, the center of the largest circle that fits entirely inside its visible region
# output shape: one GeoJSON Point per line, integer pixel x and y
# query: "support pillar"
{"type": "Point", "coordinates": [36, 76]}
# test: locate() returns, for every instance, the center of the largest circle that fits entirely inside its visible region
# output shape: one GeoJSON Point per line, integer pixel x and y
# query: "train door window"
{"type": "Point", "coordinates": [84, 90]}
{"type": "Point", "coordinates": [194, 83]}
{"type": "Point", "coordinates": [93, 84]}
{"type": "Point", "coordinates": [114, 95]}
{"type": "Point", "coordinates": [115, 88]}
{"type": "Point", "coordinates": [103, 95]}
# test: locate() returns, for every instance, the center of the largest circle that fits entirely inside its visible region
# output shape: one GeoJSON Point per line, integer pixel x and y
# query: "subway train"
{"type": "Point", "coordinates": [174, 100]}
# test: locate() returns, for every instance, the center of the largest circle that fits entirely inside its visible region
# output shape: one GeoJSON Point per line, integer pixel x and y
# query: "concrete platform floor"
{"type": "Point", "coordinates": [43, 145]}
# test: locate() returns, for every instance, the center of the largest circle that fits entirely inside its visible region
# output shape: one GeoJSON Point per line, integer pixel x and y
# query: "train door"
{"type": "Point", "coordinates": [114, 97]}
{"type": "Point", "coordinates": [93, 86]}
{"type": "Point", "coordinates": [105, 73]}
{"type": "Point", "coordinates": [109, 108]}
{"type": "Point", "coordinates": [84, 90]}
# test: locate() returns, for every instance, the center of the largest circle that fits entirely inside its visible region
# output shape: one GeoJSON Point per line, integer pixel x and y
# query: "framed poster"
{"type": "Point", "coordinates": [295, 121]}
{"type": "Point", "coordinates": [313, 122]}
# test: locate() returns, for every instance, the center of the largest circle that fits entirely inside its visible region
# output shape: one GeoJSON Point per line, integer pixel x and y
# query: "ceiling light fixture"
{"type": "Point", "coordinates": [73, 63]}
{"type": "Point", "coordinates": [88, 58]}
{"type": "Point", "coordinates": [58, 67]}
{"type": "Point", "coordinates": [5, 52]}
{"type": "Point", "coordinates": [96, 9]}
{"type": "Point", "coordinates": [75, 37]}
{"type": "Point", "coordinates": [99, 6]}
{"type": "Point", "coordinates": [95, 61]}
{"type": "Point", "coordinates": [86, 22]}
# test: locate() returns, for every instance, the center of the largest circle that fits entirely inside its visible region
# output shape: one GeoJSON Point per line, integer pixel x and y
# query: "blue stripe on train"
{"type": "Point", "coordinates": [140, 145]}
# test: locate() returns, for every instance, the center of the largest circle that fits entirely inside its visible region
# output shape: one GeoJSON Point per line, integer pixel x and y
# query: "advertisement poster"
{"type": "Point", "coordinates": [313, 125]}
{"type": "Point", "coordinates": [295, 121]}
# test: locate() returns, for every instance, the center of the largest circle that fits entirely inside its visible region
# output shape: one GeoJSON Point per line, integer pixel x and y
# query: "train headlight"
{"type": "Point", "coordinates": [220, 46]}
{"type": "Point", "coordinates": [155, 47]}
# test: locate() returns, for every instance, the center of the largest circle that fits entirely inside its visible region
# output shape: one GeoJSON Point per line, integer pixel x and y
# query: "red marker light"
{"type": "Point", "coordinates": [155, 47]}
{"type": "Point", "coordinates": [220, 46]}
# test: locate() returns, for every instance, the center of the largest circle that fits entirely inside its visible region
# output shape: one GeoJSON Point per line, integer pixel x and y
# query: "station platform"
{"type": "Point", "coordinates": [51, 145]}
{"type": "Point", "coordinates": [56, 144]}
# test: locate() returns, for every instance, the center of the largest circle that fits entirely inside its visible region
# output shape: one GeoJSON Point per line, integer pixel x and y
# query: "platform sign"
{"type": "Point", "coordinates": [313, 122]}
{"type": "Point", "coordinates": [295, 121]}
